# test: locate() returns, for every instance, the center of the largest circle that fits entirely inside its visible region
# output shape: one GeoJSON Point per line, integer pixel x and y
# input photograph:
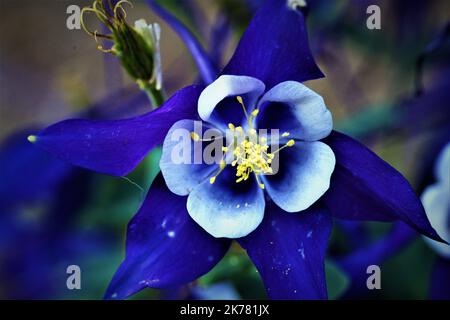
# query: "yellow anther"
{"type": "Point", "coordinates": [224, 149]}
{"type": "Point", "coordinates": [286, 134]}
{"type": "Point", "coordinates": [290, 143]}
{"type": "Point", "coordinates": [252, 131]}
{"type": "Point", "coordinates": [212, 180]}
{"type": "Point", "coordinates": [239, 99]}
{"type": "Point", "coordinates": [261, 185]}
{"type": "Point", "coordinates": [239, 129]}
{"type": "Point", "coordinates": [32, 138]}
{"type": "Point", "coordinates": [231, 126]}
{"type": "Point", "coordinates": [255, 112]}
{"type": "Point", "coordinates": [222, 164]}
{"type": "Point", "coordinates": [195, 136]}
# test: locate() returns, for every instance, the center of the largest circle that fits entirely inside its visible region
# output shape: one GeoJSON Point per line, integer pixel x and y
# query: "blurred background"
{"type": "Point", "coordinates": [389, 88]}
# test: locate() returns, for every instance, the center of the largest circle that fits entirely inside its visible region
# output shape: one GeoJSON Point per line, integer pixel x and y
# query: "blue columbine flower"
{"type": "Point", "coordinates": [227, 198]}
{"type": "Point", "coordinates": [166, 247]}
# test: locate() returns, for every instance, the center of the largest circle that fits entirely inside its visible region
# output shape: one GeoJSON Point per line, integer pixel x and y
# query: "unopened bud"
{"type": "Point", "coordinates": [137, 47]}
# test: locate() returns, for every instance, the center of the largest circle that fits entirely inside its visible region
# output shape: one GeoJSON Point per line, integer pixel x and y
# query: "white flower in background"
{"type": "Point", "coordinates": [294, 4]}
{"type": "Point", "coordinates": [436, 200]}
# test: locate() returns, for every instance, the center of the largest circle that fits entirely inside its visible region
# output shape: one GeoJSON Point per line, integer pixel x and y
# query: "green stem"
{"type": "Point", "coordinates": [156, 96]}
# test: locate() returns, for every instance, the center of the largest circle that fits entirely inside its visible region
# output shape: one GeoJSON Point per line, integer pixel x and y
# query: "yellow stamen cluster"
{"type": "Point", "coordinates": [251, 157]}
{"type": "Point", "coordinates": [250, 152]}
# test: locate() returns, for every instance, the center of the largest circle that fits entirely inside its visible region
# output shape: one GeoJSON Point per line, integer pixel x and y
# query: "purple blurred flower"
{"type": "Point", "coordinates": [166, 248]}
{"type": "Point", "coordinates": [47, 242]}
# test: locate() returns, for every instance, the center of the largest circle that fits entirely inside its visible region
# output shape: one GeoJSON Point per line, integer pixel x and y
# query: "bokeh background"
{"type": "Point", "coordinates": [389, 88]}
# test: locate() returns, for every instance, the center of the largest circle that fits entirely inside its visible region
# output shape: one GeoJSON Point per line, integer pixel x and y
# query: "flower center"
{"type": "Point", "coordinates": [250, 151]}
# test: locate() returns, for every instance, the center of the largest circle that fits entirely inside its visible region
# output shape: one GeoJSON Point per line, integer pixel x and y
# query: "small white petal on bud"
{"type": "Point", "coordinates": [152, 34]}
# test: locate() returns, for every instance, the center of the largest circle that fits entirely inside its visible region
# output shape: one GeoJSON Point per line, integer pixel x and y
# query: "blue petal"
{"type": "Point", "coordinates": [275, 47]}
{"type": "Point", "coordinates": [165, 248]}
{"type": "Point", "coordinates": [226, 208]}
{"type": "Point", "coordinates": [292, 107]}
{"type": "Point", "coordinates": [182, 172]}
{"type": "Point", "coordinates": [201, 58]}
{"type": "Point", "coordinates": [289, 252]}
{"type": "Point", "coordinates": [218, 104]}
{"type": "Point", "coordinates": [364, 187]}
{"type": "Point", "coordinates": [116, 147]}
{"type": "Point", "coordinates": [303, 176]}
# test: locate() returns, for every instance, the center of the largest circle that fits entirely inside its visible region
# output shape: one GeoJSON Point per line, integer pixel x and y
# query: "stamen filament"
{"type": "Point", "coordinates": [223, 164]}
{"type": "Point", "coordinates": [290, 143]}
{"type": "Point", "coordinates": [196, 137]}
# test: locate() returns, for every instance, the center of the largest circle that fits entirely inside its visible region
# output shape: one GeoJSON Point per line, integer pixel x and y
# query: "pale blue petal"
{"type": "Point", "coordinates": [226, 208]}
{"type": "Point", "coordinates": [303, 176]}
{"type": "Point", "coordinates": [218, 105]}
{"type": "Point", "coordinates": [181, 161]}
{"type": "Point", "coordinates": [292, 107]}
